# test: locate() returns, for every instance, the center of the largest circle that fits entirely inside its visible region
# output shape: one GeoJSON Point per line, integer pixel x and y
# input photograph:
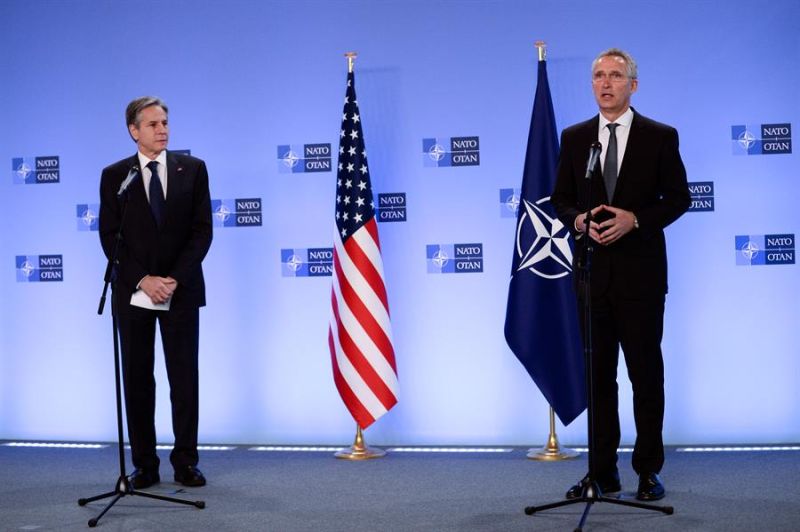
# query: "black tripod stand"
{"type": "Point", "coordinates": [123, 486]}
{"type": "Point", "coordinates": [591, 491]}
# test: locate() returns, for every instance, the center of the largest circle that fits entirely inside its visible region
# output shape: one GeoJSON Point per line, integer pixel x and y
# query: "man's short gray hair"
{"type": "Point", "coordinates": [633, 72]}
{"type": "Point", "coordinates": [134, 110]}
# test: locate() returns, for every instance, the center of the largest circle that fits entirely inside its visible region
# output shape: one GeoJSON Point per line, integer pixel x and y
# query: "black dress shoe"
{"type": "Point", "coordinates": [190, 476]}
{"type": "Point", "coordinates": [606, 483]}
{"type": "Point", "coordinates": [650, 487]}
{"type": "Point", "coordinates": [142, 478]}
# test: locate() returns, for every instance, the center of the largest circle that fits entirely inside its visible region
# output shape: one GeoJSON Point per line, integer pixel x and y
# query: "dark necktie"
{"type": "Point", "coordinates": [157, 203]}
{"type": "Point", "coordinates": [610, 165]}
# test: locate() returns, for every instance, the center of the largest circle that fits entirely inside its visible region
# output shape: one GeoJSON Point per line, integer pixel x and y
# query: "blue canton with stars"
{"type": "Point", "coordinates": [354, 204]}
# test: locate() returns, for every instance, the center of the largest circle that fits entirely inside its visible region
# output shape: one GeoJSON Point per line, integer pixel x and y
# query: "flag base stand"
{"type": "Point", "coordinates": [360, 450]}
{"type": "Point", "coordinates": [552, 452]}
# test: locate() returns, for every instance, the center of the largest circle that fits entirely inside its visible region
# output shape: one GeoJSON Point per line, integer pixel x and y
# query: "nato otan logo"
{"type": "Point", "coordinates": [392, 207]}
{"type": "Point", "coordinates": [509, 202]}
{"type": "Point", "coordinates": [35, 170]}
{"type": "Point", "coordinates": [454, 258]}
{"type": "Point", "coordinates": [764, 139]}
{"type": "Point", "coordinates": [764, 250]}
{"type": "Point", "coordinates": [311, 262]}
{"type": "Point", "coordinates": [39, 268]}
{"type": "Point", "coordinates": [451, 151]}
{"type": "Point", "coordinates": [542, 241]}
{"type": "Point", "coordinates": [245, 212]}
{"type": "Point", "coordinates": [702, 194]}
{"type": "Point", "coordinates": [302, 158]}
{"type": "Point", "coordinates": [87, 215]}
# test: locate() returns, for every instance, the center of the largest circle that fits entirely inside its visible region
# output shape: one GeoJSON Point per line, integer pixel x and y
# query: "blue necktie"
{"type": "Point", "coordinates": [157, 203]}
{"type": "Point", "coordinates": [610, 164]}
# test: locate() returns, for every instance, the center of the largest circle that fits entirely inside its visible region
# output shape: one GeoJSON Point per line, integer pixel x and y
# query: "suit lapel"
{"type": "Point", "coordinates": [631, 148]}
{"type": "Point", "coordinates": [136, 189]}
{"type": "Point", "coordinates": [174, 182]}
{"type": "Point", "coordinates": [589, 136]}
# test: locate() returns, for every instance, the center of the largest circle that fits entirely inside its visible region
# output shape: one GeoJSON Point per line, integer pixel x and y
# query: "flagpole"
{"type": "Point", "coordinates": [552, 451]}
{"type": "Point", "coordinates": [359, 450]}
{"type": "Point", "coordinates": [351, 59]}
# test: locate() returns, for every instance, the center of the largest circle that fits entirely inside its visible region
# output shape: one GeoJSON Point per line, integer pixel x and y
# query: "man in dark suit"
{"type": "Point", "coordinates": [159, 278]}
{"type": "Point", "coordinates": [639, 189]}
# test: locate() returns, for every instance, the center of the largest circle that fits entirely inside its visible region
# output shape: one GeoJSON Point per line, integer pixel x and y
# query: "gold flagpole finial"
{"type": "Point", "coordinates": [351, 57]}
{"type": "Point", "coordinates": [542, 47]}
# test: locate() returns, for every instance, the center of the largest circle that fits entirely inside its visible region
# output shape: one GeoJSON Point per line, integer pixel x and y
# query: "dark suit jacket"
{"type": "Point", "coordinates": [651, 184]}
{"type": "Point", "coordinates": [178, 248]}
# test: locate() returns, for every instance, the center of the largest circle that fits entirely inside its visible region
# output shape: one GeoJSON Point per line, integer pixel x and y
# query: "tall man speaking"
{"type": "Point", "coordinates": [165, 236]}
{"type": "Point", "coordinates": [642, 189]}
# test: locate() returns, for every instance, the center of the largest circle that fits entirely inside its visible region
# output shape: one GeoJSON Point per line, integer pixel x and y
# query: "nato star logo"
{"type": "Point", "coordinates": [88, 217]}
{"type": "Point", "coordinates": [294, 263]}
{"type": "Point", "coordinates": [290, 159]}
{"type": "Point", "coordinates": [746, 139]}
{"type": "Point", "coordinates": [750, 250]}
{"type": "Point", "coordinates": [543, 242]}
{"type": "Point", "coordinates": [436, 152]}
{"type": "Point", "coordinates": [27, 268]}
{"type": "Point", "coordinates": [23, 171]}
{"type": "Point", "coordinates": [440, 258]}
{"type": "Point", "coordinates": [512, 203]}
{"type": "Point", "coordinates": [222, 213]}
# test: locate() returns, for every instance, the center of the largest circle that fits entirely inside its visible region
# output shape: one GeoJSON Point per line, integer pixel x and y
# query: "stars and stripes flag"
{"type": "Point", "coordinates": [359, 335]}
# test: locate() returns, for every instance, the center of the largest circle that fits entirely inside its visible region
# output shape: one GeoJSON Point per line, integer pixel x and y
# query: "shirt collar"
{"type": "Point", "coordinates": [624, 120]}
{"type": "Point", "coordinates": [161, 159]}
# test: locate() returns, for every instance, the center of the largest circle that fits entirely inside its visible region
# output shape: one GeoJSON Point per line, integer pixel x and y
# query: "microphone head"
{"type": "Point", "coordinates": [596, 145]}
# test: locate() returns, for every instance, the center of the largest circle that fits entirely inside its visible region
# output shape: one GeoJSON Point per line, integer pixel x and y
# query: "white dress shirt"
{"type": "Point", "coordinates": [622, 132]}
{"type": "Point", "coordinates": [162, 171]}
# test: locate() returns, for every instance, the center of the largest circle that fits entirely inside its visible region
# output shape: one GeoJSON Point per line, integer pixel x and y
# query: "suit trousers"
{"type": "Point", "coordinates": [179, 335]}
{"type": "Point", "coordinates": [637, 326]}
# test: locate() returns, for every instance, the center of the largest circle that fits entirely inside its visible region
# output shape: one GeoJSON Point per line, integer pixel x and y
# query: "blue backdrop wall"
{"type": "Point", "coordinates": [245, 79]}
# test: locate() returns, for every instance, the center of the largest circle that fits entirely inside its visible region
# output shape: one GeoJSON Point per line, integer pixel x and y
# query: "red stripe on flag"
{"type": "Point", "coordinates": [363, 315]}
{"type": "Point", "coordinates": [365, 266]}
{"type": "Point", "coordinates": [354, 406]}
{"type": "Point", "coordinates": [357, 358]}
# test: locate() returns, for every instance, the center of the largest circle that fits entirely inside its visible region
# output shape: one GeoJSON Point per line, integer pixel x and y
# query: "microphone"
{"type": "Point", "coordinates": [594, 155]}
{"type": "Point", "coordinates": [132, 173]}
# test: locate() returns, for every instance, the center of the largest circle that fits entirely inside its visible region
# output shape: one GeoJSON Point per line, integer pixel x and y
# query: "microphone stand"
{"type": "Point", "coordinates": [591, 493]}
{"type": "Point", "coordinates": [123, 486]}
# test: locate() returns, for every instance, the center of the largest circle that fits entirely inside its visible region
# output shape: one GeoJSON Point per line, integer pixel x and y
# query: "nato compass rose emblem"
{"type": "Point", "coordinates": [23, 171]}
{"type": "Point", "coordinates": [440, 258]}
{"type": "Point", "coordinates": [542, 242]}
{"type": "Point", "coordinates": [290, 159]}
{"type": "Point", "coordinates": [27, 268]}
{"type": "Point", "coordinates": [294, 263]}
{"type": "Point", "coordinates": [88, 217]}
{"type": "Point", "coordinates": [746, 139]}
{"type": "Point", "coordinates": [436, 152]}
{"type": "Point", "coordinates": [222, 213]}
{"type": "Point", "coordinates": [750, 250]}
{"type": "Point", "coordinates": [512, 203]}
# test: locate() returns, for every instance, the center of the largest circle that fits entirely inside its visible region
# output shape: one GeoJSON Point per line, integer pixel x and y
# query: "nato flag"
{"type": "Point", "coordinates": [541, 319]}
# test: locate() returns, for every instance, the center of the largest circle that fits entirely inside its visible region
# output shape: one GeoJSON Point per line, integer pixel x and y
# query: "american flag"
{"type": "Point", "coordinates": [360, 335]}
